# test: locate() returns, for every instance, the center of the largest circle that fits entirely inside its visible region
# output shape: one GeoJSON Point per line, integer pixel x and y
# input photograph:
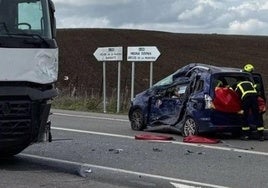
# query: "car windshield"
{"type": "Point", "coordinates": [165, 81]}
{"type": "Point", "coordinates": [24, 17]}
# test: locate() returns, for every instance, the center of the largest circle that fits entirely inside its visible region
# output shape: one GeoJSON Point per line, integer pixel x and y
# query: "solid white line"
{"type": "Point", "coordinates": [179, 185]}
{"type": "Point", "coordinates": [173, 142]}
{"type": "Point", "coordinates": [92, 132]}
{"type": "Point", "coordinates": [91, 117]}
{"type": "Point", "coordinates": [121, 171]}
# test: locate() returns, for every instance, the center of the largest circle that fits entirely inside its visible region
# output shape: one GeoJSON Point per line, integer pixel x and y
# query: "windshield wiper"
{"type": "Point", "coordinates": [32, 35]}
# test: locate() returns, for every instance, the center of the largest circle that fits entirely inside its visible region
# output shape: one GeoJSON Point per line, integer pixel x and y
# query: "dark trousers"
{"type": "Point", "coordinates": [251, 108]}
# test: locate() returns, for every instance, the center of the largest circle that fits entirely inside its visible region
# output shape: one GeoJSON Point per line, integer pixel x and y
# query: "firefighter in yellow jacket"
{"type": "Point", "coordinates": [249, 95]}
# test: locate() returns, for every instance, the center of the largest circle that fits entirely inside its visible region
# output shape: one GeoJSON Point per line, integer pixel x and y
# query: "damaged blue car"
{"type": "Point", "coordinates": [183, 101]}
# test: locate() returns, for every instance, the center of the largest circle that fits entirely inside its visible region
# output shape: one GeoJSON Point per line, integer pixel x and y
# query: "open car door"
{"type": "Point", "coordinates": [260, 88]}
{"type": "Point", "coordinates": [259, 85]}
{"type": "Point", "coordinates": [165, 107]}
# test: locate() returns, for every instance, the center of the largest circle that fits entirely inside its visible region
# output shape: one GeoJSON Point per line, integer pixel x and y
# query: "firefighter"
{"type": "Point", "coordinates": [250, 68]}
{"type": "Point", "coordinates": [249, 95]}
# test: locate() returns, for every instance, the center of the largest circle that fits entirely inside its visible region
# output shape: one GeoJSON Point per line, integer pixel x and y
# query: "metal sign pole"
{"type": "Point", "coordinates": [104, 87]}
{"type": "Point", "coordinates": [132, 80]}
{"type": "Point", "coordinates": [151, 74]}
{"type": "Point", "coordinates": [118, 87]}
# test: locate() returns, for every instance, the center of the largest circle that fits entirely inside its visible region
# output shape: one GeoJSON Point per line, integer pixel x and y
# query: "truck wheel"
{"type": "Point", "coordinates": [137, 120]}
{"type": "Point", "coordinates": [189, 127]}
{"type": "Point", "coordinates": [9, 154]}
{"type": "Point", "coordinates": [11, 151]}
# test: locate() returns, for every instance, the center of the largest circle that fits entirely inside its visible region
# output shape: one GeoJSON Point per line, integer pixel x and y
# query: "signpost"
{"type": "Point", "coordinates": [110, 54]}
{"type": "Point", "coordinates": [142, 54]}
{"type": "Point", "coordinates": [134, 54]}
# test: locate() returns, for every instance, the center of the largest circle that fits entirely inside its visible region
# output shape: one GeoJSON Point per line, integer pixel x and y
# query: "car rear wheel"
{"type": "Point", "coordinates": [189, 127]}
{"type": "Point", "coordinates": [137, 120]}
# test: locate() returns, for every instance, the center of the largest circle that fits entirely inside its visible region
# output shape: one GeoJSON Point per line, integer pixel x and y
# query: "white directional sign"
{"type": "Point", "coordinates": [142, 53]}
{"type": "Point", "coordinates": [109, 54]}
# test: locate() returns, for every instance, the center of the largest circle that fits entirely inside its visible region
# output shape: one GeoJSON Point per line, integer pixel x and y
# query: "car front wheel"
{"type": "Point", "coordinates": [189, 127]}
{"type": "Point", "coordinates": [137, 120]}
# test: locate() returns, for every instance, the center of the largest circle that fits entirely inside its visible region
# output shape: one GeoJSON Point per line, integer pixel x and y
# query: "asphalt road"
{"type": "Point", "coordinates": [99, 150]}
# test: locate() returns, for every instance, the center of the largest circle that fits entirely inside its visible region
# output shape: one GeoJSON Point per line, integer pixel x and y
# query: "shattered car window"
{"type": "Point", "coordinates": [165, 81]}
{"type": "Point", "coordinates": [182, 89]}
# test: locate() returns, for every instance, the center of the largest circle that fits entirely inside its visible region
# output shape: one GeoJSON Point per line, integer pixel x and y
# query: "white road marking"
{"type": "Point", "coordinates": [118, 170]}
{"type": "Point", "coordinates": [91, 117]}
{"type": "Point", "coordinates": [179, 185]}
{"type": "Point", "coordinates": [173, 142]}
{"type": "Point", "coordinates": [92, 132]}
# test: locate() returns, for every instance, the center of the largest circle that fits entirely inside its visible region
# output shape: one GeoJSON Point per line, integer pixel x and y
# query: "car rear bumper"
{"type": "Point", "coordinates": [207, 125]}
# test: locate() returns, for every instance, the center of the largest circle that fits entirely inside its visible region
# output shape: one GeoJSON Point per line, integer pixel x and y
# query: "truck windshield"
{"type": "Point", "coordinates": [25, 17]}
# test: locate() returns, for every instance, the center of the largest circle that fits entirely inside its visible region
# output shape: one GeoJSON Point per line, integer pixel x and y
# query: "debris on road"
{"type": "Point", "coordinates": [84, 171]}
{"type": "Point", "coordinates": [188, 152]}
{"type": "Point", "coordinates": [157, 150]}
{"type": "Point", "coordinates": [115, 151]}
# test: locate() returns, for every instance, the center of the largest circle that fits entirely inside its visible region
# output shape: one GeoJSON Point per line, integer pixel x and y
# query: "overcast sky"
{"type": "Point", "coordinates": [246, 17]}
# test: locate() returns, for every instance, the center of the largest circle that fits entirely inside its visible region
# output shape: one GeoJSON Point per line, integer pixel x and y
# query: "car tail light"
{"type": "Point", "coordinates": [208, 102]}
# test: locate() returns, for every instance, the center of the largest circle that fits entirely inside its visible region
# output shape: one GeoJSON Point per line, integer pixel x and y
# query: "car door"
{"type": "Point", "coordinates": [165, 106]}
{"type": "Point", "coordinates": [259, 84]}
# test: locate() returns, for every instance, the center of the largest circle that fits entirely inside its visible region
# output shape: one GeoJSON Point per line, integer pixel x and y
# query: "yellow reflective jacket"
{"type": "Point", "coordinates": [245, 88]}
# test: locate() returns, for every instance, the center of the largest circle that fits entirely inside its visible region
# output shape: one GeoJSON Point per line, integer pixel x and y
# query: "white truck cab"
{"type": "Point", "coordinates": [28, 71]}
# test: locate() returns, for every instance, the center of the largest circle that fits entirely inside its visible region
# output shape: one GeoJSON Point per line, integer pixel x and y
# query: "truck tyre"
{"type": "Point", "coordinates": [7, 154]}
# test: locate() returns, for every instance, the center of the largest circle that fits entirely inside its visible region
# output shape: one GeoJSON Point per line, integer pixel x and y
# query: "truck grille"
{"type": "Point", "coordinates": [15, 109]}
{"type": "Point", "coordinates": [15, 119]}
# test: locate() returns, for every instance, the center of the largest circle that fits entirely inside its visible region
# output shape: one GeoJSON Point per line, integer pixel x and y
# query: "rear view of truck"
{"type": "Point", "coordinates": [28, 71]}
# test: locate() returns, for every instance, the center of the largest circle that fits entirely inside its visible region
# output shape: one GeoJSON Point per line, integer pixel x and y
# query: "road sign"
{"type": "Point", "coordinates": [109, 54]}
{"type": "Point", "coordinates": [142, 53]}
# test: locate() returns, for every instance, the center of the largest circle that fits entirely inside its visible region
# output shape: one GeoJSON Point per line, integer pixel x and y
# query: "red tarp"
{"type": "Point", "coordinates": [262, 104]}
{"type": "Point", "coordinates": [200, 139]}
{"type": "Point", "coordinates": [226, 100]}
{"type": "Point", "coordinates": [152, 137]}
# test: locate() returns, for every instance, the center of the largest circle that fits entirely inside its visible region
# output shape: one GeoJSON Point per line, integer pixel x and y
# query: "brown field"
{"type": "Point", "coordinates": [76, 48]}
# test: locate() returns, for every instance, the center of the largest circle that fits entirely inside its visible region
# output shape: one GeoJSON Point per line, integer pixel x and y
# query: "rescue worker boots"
{"type": "Point", "coordinates": [261, 136]}
{"type": "Point", "coordinates": [245, 135]}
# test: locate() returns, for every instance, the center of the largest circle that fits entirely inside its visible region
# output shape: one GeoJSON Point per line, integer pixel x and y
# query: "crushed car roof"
{"type": "Point", "coordinates": [211, 68]}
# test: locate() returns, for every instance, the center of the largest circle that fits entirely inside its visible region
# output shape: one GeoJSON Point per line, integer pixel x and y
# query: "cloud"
{"type": "Point", "coordinates": [189, 16]}
{"type": "Point", "coordinates": [202, 12]}
{"type": "Point", "coordinates": [90, 2]}
{"type": "Point", "coordinates": [249, 26]}
{"type": "Point", "coordinates": [71, 22]}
